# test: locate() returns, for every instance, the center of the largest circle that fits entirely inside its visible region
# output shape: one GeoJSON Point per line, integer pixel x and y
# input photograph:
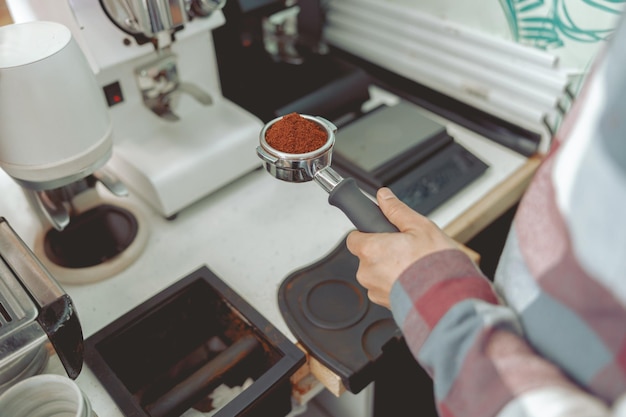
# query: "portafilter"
{"type": "Point", "coordinates": [344, 193]}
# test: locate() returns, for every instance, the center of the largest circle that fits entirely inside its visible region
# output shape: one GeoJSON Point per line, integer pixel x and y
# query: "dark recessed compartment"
{"type": "Point", "coordinates": [170, 354]}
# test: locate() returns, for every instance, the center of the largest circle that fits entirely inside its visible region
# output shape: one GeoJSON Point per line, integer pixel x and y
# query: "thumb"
{"type": "Point", "coordinates": [398, 213]}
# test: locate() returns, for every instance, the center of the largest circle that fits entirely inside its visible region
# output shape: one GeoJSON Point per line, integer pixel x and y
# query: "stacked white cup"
{"type": "Point", "coordinates": [45, 395]}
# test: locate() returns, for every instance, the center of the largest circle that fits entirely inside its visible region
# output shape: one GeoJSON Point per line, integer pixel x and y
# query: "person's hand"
{"type": "Point", "coordinates": [384, 256]}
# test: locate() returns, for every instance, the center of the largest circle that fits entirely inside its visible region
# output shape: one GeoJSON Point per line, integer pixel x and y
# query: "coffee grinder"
{"type": "Point", "coordinates": [55, 139]}
{"type": "Point", "coordinates": [177, 139]}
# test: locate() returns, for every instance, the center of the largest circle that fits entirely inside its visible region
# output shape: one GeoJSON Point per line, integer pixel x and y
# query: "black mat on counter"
{"type": "Point", "coordinates": [328, 311]}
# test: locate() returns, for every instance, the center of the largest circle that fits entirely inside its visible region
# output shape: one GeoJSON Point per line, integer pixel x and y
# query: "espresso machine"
{"type": "Point", "coordinates": [273, 60]}
{"type": "Point", "coordinates": [177, 139]}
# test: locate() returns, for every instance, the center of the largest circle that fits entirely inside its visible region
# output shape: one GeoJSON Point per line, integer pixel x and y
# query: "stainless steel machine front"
{"type": "Point", "coordinates": [37, 317]}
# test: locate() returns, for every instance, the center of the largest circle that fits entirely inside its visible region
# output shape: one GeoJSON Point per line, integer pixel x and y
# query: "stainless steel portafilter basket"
{"type": "Point", "coordinates": [344, 193]}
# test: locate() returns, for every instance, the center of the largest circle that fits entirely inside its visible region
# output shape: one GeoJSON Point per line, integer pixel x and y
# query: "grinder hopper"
{"type": "Point", "coordinates": [344, 193]}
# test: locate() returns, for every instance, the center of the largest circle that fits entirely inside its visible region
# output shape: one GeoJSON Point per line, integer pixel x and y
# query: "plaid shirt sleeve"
{"type": "Point", "coordinates": [473, 347]}
{"type": "Point", "coordinates": [548, 338]}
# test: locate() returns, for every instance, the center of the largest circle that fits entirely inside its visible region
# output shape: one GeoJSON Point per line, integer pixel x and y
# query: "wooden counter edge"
{"type": "Point", "coordinates": [330, 380]}
{"type": "Point", "coordinates": [5, 16]}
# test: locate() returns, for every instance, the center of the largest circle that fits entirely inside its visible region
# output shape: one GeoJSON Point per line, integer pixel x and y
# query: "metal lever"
{"type": "Point", "coordinates": [55, 213]}
{"type": "Point", "coordinates": [111, 182]}
{"type": "Point", "coordinates": [160, 87]}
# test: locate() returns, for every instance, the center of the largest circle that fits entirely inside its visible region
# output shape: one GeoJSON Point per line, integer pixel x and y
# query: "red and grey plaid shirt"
{"type": "Point", "coordinates": [549, 337]}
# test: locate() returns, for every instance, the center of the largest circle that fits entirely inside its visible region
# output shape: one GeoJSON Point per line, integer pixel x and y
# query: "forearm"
{"type": "Point", "coordinates": [473, 347]}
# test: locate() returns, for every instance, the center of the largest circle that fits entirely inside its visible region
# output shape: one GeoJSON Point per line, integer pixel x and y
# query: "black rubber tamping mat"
{"type": "Point", "coordinates": [328, 311]}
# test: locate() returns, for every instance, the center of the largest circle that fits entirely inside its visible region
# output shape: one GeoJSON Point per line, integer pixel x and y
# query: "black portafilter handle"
{"type": "Point", "coordinates": [362, 212]}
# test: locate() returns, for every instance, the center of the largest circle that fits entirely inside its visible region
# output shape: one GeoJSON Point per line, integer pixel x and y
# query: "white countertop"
{"type": "Point", "coordinates": [251, 234]}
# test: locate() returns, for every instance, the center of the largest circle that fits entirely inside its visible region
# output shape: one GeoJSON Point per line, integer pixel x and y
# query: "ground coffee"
{"type": "Point", "coordinates": [295, 134]}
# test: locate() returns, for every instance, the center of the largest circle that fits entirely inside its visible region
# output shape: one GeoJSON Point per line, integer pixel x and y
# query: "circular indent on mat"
{"type": "Point", "coordinates": [334, 304]}
{"type": "Point", "coordinates": [376, 335]}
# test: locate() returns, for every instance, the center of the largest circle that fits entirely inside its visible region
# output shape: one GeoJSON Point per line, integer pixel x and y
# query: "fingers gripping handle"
{"type": "Point", "coordinates": [363, 212]}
